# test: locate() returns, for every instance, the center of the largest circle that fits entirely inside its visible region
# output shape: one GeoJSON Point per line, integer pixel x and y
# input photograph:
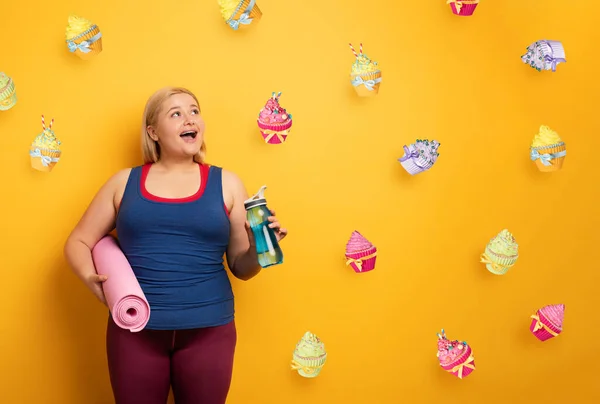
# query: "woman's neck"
{"type": "Point", "coordinates": [176, 165]}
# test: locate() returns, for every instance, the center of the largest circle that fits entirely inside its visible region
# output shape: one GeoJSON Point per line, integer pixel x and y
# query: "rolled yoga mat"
{"type": "Point", "coordinates": [128, 305]}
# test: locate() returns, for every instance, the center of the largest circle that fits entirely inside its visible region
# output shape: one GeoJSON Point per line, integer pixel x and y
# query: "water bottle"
{"type": "Point", "coordinates": [267, 248]}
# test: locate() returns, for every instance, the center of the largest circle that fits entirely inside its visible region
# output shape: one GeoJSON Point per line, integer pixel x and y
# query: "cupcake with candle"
{"type": "Point", "coordinates": [45, 150]}
{"type": "Point", "coordinates": [547, 322]}
{"type": "Point", "coordinates": [274, 122]}
{"type": "Point", "coordinates": [420, 156]}
{"type": "Point", "coordinates": [309, 356]}
{"type": "Point", "coordinates": [501, 253]}
{"type": "Point", "coordinates": [463, 8]}
{"type": "Point", "coordinates": [83, 37]}
{"type": "Point", "coordinates": [238, 13]}
{"type": "Point", "coordinates": [548, 150]}
{"type": "Point", "coordinates": [8, 95]}
{"type": "Point", "coordinates": [361, 255]}
{"type": "Point", "coordinates": [455, 357]}
{"type": "Point", "coordinates": [365, 74]}
{"type": "Point", "coordinates": [544, 55]}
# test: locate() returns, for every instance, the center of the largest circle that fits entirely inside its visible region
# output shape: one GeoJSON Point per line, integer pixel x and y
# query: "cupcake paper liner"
{"type": "Point", "coordinates": [308, 367]}
{"type": "Point", "coordinates": [275, 134]}
{"type": "Point", "coordinates": [549, 158]}
{"type": "Point", "coordinates": [497, 264]}
{"type": "Point", "coordinates": [543, 328]}
{"type": "Point", "coordinates": [246, 12]}
{"type": "Point", "coordinates": [463, 366]}
{"type": "Point", "coordinates": [8, 96]}
{"type": "Point", "coordinates": [367, 84]}
{"type": "Point", "coordinates": [362, 261]}
{"type": "Point", "coordinates": [463, 8]}
{"type": "Point", "coordinates": [412, 161]}
{"type": "Point", "coordinates": [87, 44]}
{"type": "Point", "coordinates": [44, 159]}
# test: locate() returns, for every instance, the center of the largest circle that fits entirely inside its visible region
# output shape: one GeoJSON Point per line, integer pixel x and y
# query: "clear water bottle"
{"type": "Point", "coordinates": [267, 248]}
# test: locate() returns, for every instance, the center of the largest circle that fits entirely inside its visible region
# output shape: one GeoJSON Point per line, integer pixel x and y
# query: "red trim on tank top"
{"type": "Point", "coordinates": [203, 180]}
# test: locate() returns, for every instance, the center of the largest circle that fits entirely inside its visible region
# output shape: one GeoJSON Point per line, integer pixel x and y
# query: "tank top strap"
{"type": "Point", "coordinates": [133, 183]}
{"type": "Point", "coordinates": [214, 185]}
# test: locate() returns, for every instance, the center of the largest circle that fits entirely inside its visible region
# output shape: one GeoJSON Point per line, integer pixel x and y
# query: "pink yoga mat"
{"type": "Point", "coordinates": [128, 305]}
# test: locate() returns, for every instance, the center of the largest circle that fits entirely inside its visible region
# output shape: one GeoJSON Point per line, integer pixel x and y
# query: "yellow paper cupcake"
{"type": "Point", "coordinates": [8, 95]}
{"type": "Point", "coordinates": [239, 12]}
{"type": "Point", "coordinates": [83, 37]}
{"type": "Point", "coordinates": [548, 150]}
{"type": "Point", "coordinates": [309, 356]}
{"type": "Point", "coordinates": [365, 74]}
{"type": "Point", "coordinates": [45, 149]}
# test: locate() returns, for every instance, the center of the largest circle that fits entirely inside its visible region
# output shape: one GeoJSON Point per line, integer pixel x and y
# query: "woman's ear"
{"type": "Point", "coordinates": [152, 133]}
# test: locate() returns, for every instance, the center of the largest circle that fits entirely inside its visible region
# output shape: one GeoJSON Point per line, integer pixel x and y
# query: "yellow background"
{"type": "Point", "coordinates": [458, 80]}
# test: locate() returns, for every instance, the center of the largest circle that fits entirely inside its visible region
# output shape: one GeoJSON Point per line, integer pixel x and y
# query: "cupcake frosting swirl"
{"type": "Point", "coordinates": [357, 242]}
{"type": "Point", "coordinates": [504, 244]}
{"type": "Point", "coordinates": [273, 112]}
{"type": "Point", "coordinates": [555, 313]}
{"type": "Point", "coordinates": [363, 65]}
{"type": "Point", "coordinates": [545, 137]}
{"type": "Point", "coordinates": [310, 346]}
{"type": "Point", "coordinates": [228, 7]}
{"type": "Point", "coordinates": [449, 351]}
{"type": "Point", "coordinates": [47, 140]}
{"type": "Point", "coordinates": [4, 80]}
{"type": "Point", "coordinates": [76, 26]}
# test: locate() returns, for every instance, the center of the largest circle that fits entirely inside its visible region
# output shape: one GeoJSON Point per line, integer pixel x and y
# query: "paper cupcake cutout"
{"type": "Point", "coordinates": [45, 149]}
{"type": "Point", "coordinates": [420, 156]}
{"type": "Point", "coordinates": [238, 13]}
{"type": "Point", "coordinates": [83, 37]}
{"type": "Point", "coordinates": [548, 321]}
{"type": "Point", "coordinates": [274, 122]}
{"type": "Point", "coordinates": [544, 55]}
{"type": "Point", "coordinates": [463, 8]}
{"type": "Point", "coordinates": [8, 94]}
{"type": "Point", "coordinates": [548, 150]}
{"type": "Point", "coordinates": [365, 74]}
{"type": "Point", "coordinates": [361, 255]}
{"type": "Point", "coordinates": [501, 253]}
{"type": "Point", "coordinates": [455, 357]}
{"type": "Point", "coordinates": [309, 356]}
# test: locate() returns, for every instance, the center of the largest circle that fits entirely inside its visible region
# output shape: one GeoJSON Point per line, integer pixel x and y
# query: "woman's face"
{"type": "Point", "coordinates": [179, 128]}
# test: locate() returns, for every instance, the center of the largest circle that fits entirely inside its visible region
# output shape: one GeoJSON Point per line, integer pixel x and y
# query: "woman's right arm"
{"type": "Point", "coordinates": [97, 221]}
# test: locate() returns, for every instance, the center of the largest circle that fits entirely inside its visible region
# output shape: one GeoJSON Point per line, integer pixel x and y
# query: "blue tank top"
{"type": "Point", "coordinates": [176, 248]}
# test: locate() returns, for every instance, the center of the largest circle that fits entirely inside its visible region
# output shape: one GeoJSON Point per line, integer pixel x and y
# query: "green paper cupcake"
{"type": "Point", "coordinates": [8, 95]}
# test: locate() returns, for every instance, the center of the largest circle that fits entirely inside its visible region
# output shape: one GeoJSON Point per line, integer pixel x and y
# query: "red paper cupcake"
{"type": "Point", "coordinates": [463, 8]}
{"type": "Point", "coordinates": [360, 253]}
{"type": "Point", "coordinates": [455, 357]}
{"type": "Point", "coordinates": [548, 321]}
{"type": "Point", "coordinates": [274, 122]}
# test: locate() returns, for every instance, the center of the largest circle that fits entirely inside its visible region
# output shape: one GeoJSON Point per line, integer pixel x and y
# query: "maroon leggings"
{"type": "Point", "coordinates": [197, 363]}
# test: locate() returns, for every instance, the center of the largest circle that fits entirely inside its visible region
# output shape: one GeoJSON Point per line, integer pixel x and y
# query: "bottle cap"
{"type": "Point", "coordinates": [257, 199]}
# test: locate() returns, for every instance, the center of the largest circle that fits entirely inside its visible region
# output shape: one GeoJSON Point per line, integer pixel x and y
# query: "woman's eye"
{"type": "Point", "coordinates": [175, 114]}
{"type": "Point", "coordinates": [196, 111]}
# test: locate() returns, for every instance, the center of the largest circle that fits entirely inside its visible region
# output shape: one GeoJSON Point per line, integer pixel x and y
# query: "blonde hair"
{"type": "Point", "coordinates": [150, 147]}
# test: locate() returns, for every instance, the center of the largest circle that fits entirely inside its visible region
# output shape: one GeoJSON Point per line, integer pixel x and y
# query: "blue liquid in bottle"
{"type": "Point", "coordinates": [267, 248]}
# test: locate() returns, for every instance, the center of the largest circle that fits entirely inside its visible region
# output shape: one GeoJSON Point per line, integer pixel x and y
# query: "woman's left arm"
{"type": "Point", "coordinates": [241, 252]}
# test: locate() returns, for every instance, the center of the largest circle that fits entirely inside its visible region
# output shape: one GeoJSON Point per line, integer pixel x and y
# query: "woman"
{"type": "Point", "coordinates": [176, 217]}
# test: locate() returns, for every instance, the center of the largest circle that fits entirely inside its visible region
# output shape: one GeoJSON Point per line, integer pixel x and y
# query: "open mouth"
{"type": "Point", "coordinates": [190, 134]}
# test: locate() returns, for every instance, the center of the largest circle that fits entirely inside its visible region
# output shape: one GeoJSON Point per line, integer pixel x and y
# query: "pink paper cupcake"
{"type": "Point", "coordinates": [463, 8]}
{"type": "Point", "coordinates": [455, 357]}
{"type": "Point", "coordinates": [360, 253]}
{"type": "Point", "coordinates": [548, 321]}
{"type": "Point", "coordinates": [274, 122]}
